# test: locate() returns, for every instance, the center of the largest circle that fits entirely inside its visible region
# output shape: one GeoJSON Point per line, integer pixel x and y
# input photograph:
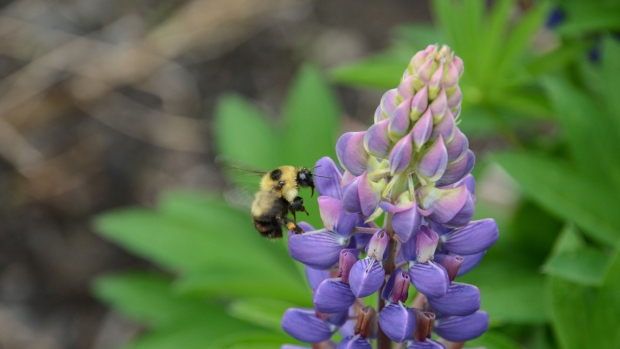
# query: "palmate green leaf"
{"type": "Point", "coordinates": [494, 340]}
{"type": "Point", "coordinates": [147, 298]}
{"type": "Point", "coordinates": [590, 16]}
{"type": "Point", "coordinates": [381, 71]}
{"type": "Point", "coordinates": [565, 193]}
{"type": "Point", "coordinates": [585, 266]}
{"type": "Point", "coordinates": [588, 131]}
{"type": "Point", "coordinates": [245, 135]}
{"type": "Point", "coordinates": [264, 312]}
{"type": "Point", "coordinates": [569, 312]}
{"type": "Point", "coordinates": [504, 280]}
{"type": "Point", "coordinates": [311, 118]}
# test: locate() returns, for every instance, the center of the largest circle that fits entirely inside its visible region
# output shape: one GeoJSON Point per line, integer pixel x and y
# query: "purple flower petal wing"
{"type": "Point", "coordinates": [366, 277]}
{"type": "Point", "coordinates": [400, 156]}
{"type": "Point", "coordinates": [354, 342]}
{"type": "Point", "coordinates": [315, 276]}
{"type": "Point", "coordinates": [304, 325]}
{"type": "Point", "coordinates": [376, 140]}
{"type": "Point", "coordinates": [397, 322]}
{"type": "Point", "coordinates": [409, 249]}
{"type": "Point", "coordinates": [407, 222]}
{"type": "Point", "coordinates": [332, 296]}
{"type": "Point", "coordinates": [457, 170]}
{"type": "Point", "coordinates": [350, 197]}
{"type": "Point", "coordinates": [399, 121]}
{"type": "Point", "coordinates": [432, 165]}
{"type": "Point", "coordinates": [369, 194]}
{"type": "Point", "coordinates": [422, 129]}
{"type": "Point", "coordinates": [419, 104]}
{"type": "Point", "coordinates": [475, 237]}
{"type": "Point", "coordinates": [463, 328]}
{"type": "Point", "coordinates": [426, 244]}
{"type": "Point", "coordinates": [444, 203]}
{"type": "Point", "coordinates": [470, 262]}
{"type": "Point", "coordinates": [334, 217]}
{"type": "Point", "coordinates": [427, 344]}
{"type": "Point", "coordinates": [327, 177]}
{"type": "Point", "coordinates": [457, 147]}
{"type": "Point", "coordinates": [429, 278]}
{"type": "Point", "coordinates": [465, 215]}
{"type": "Point", "coordinates": [318, 249]}
{"type": "Point", "coordinates": [351, 152]}
{"type": "Point", "coordinates": [460, 300]}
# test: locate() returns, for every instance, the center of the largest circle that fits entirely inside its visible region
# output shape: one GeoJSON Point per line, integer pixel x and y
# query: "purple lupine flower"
{"type": "Point", "coordinates": [413, 167]}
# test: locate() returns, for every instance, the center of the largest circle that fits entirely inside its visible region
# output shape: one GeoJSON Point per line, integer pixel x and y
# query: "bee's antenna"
{"type": "Point", "coordinates": [316, 175]}
{"type": "Point", "coordinates": [317, 166]}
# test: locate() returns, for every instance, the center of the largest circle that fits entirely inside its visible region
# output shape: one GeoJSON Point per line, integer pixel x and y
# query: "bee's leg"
{"type": "Point", "coordinates": [292, 226]}
{"type": "Point", "coordinates": [292, 211]}
{"type": "Point", "coordinates": [298, 205]}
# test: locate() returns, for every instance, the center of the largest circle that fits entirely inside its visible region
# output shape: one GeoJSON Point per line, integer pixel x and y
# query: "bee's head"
{"type": "Point", "coordinates": [304, 179]}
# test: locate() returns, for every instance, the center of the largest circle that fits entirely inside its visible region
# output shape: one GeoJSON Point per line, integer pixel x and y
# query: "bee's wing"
{"type": "Point", "coordinates": [227, 163]}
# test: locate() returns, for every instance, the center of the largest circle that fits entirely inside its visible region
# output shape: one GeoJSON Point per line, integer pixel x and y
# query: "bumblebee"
{"type": "Point", "coordinates": [278, 195]}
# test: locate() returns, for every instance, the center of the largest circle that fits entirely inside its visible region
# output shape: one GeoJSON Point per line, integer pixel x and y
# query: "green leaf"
{"type": "Point", "coordinates": [494, 340]}
{"type": "Point", "coordinates": [594, 16]}
{"type": "Point", "coordinates": [590, 136]}
{"type": "Point", "coordinates": [381, 72]}
{"type": "Point", "coordinates": [147, 298]}
{"type": "Point", "coordinates": [605, 321]}
{"type": "Point", "coordinates": [569, 313]}
{"type": "Point", "coordinates": [585, 266]}
{"type": "Point", "coordinates": [557, 59]}
{"type": "Point", "coordinates": [251, 282]}
{"type": "Point", "coordinates": [564, 193]}
{"type": "Point", "coordinates": [500, 281]}
{"type": "Point", "coordinates": [264, 312]}
{"type": "Point", "coordinates": [312, 119]}
{"type": "Point", "coordinates": [244, 134]}
{"type": "Point", "coordinates": [417, 36]}
{"type": "Point", "coordinates": [611, 77]}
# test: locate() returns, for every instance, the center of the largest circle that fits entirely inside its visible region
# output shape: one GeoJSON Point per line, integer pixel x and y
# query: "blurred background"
{"type": "Point", "coordinates": [111, 104]}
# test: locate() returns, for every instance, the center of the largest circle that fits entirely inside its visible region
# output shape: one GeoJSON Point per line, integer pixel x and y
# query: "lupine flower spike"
{"type": "Point", "coordinates": [411, 166]}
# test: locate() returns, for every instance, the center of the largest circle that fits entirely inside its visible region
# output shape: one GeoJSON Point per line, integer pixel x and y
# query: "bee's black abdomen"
{"type": "Point", "coordinates": [271, 229]}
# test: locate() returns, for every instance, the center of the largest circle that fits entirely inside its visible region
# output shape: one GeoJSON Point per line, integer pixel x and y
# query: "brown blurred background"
{"type": "Point", "coordinates": [106, 103]}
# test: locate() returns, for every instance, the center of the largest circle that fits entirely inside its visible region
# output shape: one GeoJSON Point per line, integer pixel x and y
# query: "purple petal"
{"type": "Point", "coordinates": [315, 276]}
{"type": "Point", "coordinates": [475, 237]}
{"type": "Point", "coordinates": [460, 300]}
{"type": "Point", "coordinates": [439, 106]}
{"type": "Point", "coordinates": [427, 344]}
{"type": "Point", "coordinates": [304, 325]}
{"type": "Point", "coordinates": [366, 277]}
{"type": "Point", "coordinates": [351, 152]}
{"type": "Point", "coordinates": [389, 101]}
{"type": "Point", "coordinates": [376, 140]}
{"type": "Point", "coordinates": [457, 170]}
{"type": "Point", "coordinates": [399, 121]}
{"type": "Point", "coordinates": [398, 289]}
{"type": "Point", "coordinates": [462, 328]}
{"type": "Point", "coordinates": [407, 222]}
{"type": "Point", "coordinates": [338, 318]}
{"type": "Point", "coordinates": [332, 296]}
{"type": "Point", "coordinates": [369, 194]}
{"type": "Point", "coordinates": [397, 322]}
{"type": "Point", "coordinates": [348, 328]}
{"type": "Point", "coordinates": [377, 245]}
{"type": "Point", "coordinates": [288, 346]}
{"type": "Point", "coordinates": [350, 197]}
{"type": "Point", "coordinates": [424, 73]}
{"type": "Point", "coordinates": [334, 217]}
{"type": "Point", "coordinates": [458, 63]}
{"type": "Point", "coordinates": [470, 262]}
{"type": "Point", "coordinates": [400, 156]}
{"type": "Point", "coordinates": [347, 259]}
{"type": "Point", "coordinates": [433, 163]}
{"type": "Point", "coordinates": [426, 244]}
{"type": "Point", "coordinates": [409, 249]}
{"type": "Point", "coordinates": [446, 127]}
{"type": "Point", "coordinates": [434, 82]}
{"type": "Point", "coordinates": [327, 177]}
{"type": "Point", "coordinates": [429, 278]}
{"type": "Point", "coordinates": [405, 88]}
{"type": "Point", "coordinates": [451, 262]}
{"type": "Point", "coordinates": [318, 249]}
{"type": "Point", "coordinates": [422, 129]}
{"type": "Point", "coordinates": [457, 147]}
{"type": "Point", "coordinates": [450, 76]}
{"type": "Point", "coordinates": [444, 203]}
{"type": "Point", "coordinates": [469, 182]}
{"type": "Point", "coordinates": [379, 116]}
{"type": "Point", "coordinates": [420, 57]}
{"type": "Point", "coordinates": [454, 100]}
{"type": "Point", "coordinates": [465, 215]}
{"type": "Point", "coordinates": [354, 342]}
{"type": "Point", "coordinates": [419, 104]}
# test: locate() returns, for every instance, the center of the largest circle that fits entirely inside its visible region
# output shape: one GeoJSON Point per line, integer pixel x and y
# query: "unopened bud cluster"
{"type": "Point", "coordinates": [412, 166]}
